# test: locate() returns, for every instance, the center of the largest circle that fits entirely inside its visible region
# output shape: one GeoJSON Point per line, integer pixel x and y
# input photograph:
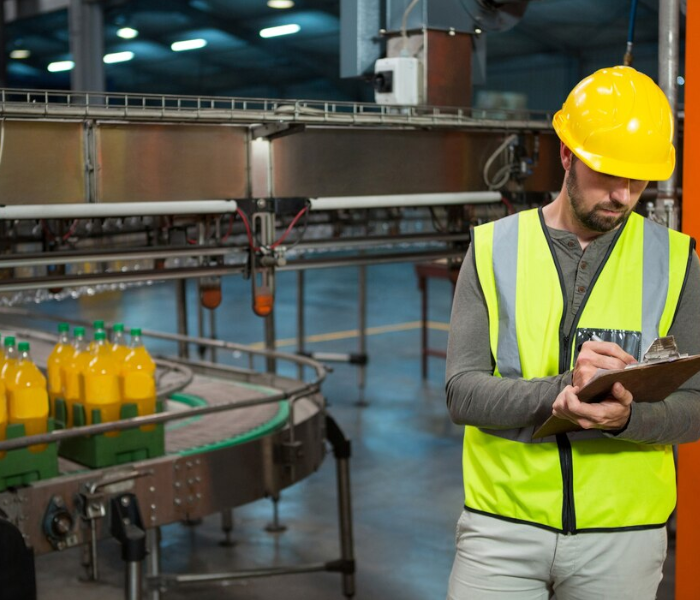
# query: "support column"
{"type": "Point", "coordinates": [688, 528]}
{"type": "Point", "coordinates": [86, 24]}
{"type": "Point", "coordinates": [669, 18]}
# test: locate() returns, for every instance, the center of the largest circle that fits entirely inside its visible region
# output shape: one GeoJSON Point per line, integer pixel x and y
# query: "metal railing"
{"type": "Point", "coordinates": [108, 105]}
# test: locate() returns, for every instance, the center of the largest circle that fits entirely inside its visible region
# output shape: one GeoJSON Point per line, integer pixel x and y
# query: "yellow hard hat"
{"type": "Point", "coordinates": [619, 122]}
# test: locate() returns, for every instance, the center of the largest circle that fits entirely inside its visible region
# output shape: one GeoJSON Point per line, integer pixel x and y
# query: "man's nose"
{"type": "Point", "coordinates": [621, 190]}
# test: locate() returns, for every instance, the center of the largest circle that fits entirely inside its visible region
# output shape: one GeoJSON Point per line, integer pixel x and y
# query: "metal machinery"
{"type": "Point", "coordinates": [126, 184]}
{"type": "Point", "coordinates": [102, 191]}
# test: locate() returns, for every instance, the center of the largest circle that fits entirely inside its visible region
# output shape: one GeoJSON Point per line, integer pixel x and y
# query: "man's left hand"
{"type": "Point", "coordinates": [611, 413]}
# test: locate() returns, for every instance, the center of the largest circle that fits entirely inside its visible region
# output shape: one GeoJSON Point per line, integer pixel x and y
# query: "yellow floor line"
{"type": "Point", "coordinates": [353, 333]}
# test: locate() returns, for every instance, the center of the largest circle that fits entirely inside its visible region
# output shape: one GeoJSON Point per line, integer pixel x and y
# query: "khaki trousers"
{"type": "Point", "coordinates": [500, 560]}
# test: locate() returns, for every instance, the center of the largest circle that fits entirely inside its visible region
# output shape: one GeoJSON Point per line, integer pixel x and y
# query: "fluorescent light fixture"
{"type": "Point", "coordinates": [117, 57]}
{"type": "Point", "coordinates": [680, 80]}
{"type": "Point", "coordinates": [61, 65]}
{"type": "Point", "coordinates": [280, 3]}
{"type": "Point", "coordinates": [20, 54]}
{"type": "Point", "coordinates": [279, 30]}
{"type": "Point", "coordinates": [128, 33]}
{"type": "Point", "coordinates": [188, 45]}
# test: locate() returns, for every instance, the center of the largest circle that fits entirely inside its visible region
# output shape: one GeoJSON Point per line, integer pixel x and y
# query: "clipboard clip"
{"type": "Point", "coordinates": [663, 349]}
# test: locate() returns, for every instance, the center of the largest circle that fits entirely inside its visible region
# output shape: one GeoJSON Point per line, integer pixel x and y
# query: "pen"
{"type": "Point", "coordinates": [595, 338]}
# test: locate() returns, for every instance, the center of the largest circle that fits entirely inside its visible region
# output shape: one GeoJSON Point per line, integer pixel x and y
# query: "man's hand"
{"type": "Point", "coordinates": [599, 355]}
{"type": "Point", "coordinates": [611, 413]}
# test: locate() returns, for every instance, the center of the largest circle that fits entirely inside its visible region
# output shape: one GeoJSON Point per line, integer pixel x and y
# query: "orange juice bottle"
{"type": "Point", "coordinates": [97, 326]}
{"type": "Point", "coordinates": [61, 351]}
{"type": "Point", "coordinates": [72, 370]}
{"type": "Point", "coordinates": [139, 378]}
{"type": "Point", "coordinates": [10, 363]}
{"type": "Point", "coordinates": [3, 415]}
{"type": "Point", "coordinates": [119, 347]}
{"type": "Point", "coordinates": [100, 388]}
{"type": "Point", "coordinates": [28, 400]}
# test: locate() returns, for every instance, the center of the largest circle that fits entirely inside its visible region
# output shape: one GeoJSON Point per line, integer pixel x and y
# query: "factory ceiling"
{"type": "Point", "coordinates": [237, 61]}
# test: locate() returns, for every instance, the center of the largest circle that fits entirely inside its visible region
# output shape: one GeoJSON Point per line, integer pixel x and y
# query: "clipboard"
{"type": "Point", "coordinates": [647, 381]}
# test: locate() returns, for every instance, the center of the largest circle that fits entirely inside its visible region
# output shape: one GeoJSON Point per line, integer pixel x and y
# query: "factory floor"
{"type": "Point", "coordinates": [406, 475]}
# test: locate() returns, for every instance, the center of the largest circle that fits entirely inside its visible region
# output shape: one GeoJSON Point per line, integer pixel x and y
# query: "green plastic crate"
{"type": "Point", "coordinates": [99, 450]}
{"type": "Point", "coordinates": [21, 466]}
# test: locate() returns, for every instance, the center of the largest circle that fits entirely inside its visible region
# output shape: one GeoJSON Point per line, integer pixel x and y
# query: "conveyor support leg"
{"type": "Point", "coordinates": [342, 451]}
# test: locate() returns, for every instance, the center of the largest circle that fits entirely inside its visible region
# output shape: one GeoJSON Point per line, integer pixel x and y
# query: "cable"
{"type": "Point", "coordinates": [291, 226]}
{"type": "Point", "coordinates": [249, 233]}
{"type": "Point", "coordinates": [509, 206]}
{"type": "Point", "coordinates": [404, 20]}
{"type": "Point", "coordinates": [303, 231]}
{"type": "Point", "coordinates": [503, 174]}
{"type": "Point", "coordinates": [439, 227]}
{"type": "Point", "coordinates": [229, 230]}
{"type": "Point", "coordinates": [628, 58]}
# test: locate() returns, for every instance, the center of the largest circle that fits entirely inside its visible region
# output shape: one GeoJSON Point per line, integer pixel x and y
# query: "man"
{"type": "Point", "coordinates": [578, 515]}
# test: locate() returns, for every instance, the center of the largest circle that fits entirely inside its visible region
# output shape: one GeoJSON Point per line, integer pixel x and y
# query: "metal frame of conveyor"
{"type": "Point", "coordinates": [131, 502]}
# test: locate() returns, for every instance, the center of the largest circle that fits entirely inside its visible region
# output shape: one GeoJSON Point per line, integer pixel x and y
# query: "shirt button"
{"type": "Point", "coordinates": [584, 265]}
{"type": "Point", "coordinates": [571, 243]}
{"type": "Point", "coordinates": [581, 289]}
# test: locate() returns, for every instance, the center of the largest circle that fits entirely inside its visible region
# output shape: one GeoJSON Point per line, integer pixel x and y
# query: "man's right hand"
{"type": "Point", "coordinates": [599, 355]}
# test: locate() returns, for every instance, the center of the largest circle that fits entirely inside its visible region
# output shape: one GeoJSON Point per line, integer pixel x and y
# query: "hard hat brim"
{"type": "Point", "coordinates": [608, 165]}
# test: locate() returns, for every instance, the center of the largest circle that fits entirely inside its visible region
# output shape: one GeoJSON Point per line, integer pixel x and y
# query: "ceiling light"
{"type": "Point", "coordinates": [188, 45]}
{"type": "Point", "coordinates": [61, 65]}
{"type": "Point", "coordinates": [280, 30]}
{"type": "Point", "coordinates": [127, 33]}
{"type": "Point", "coordinates": [117, 57]}
{"type": "Point", "coordinates": [280, 3]}
{"type": "Point", "coordinates": [20, 54]}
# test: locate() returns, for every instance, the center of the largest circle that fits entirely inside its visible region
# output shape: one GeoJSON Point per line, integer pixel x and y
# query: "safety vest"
{"type": "Point", "coordinates": [581, 481]}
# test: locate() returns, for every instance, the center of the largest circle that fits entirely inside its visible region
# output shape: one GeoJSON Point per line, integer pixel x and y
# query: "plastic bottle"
{"type": "Point", "coordinates": [100, 390]}
{"type": "Point", "coordinates": [28, 400]}
{"type": "Point", "coordinates": [139, 378]}
{"type": "Point", "coordinates": [61, 353]}
{"type": "Point", "coordinates": [97, 326]}
{"type": "Point", "coordinates": [8, 367]}
{"type": "Point", "coordinates": [73, 369]}
{"type": "Point", "coordinates": [119, 346]}
{"type": "Point", "coordinates": [3, 415]}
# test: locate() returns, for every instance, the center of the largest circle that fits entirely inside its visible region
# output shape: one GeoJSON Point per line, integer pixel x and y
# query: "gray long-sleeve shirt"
{"type": "Point", "coordinates": [476, 397]}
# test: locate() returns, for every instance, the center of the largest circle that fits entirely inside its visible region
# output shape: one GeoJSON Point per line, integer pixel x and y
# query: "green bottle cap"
{"type": "Point", "coordinates": [9, 341]}
{"type": "Point", "coordinates": [23, 347]}
{"type": "Point", "coordinates": [98, 324]}
{"type": "Point", "coordinates": [136, 331]}
{"type": "Point", "coordinates": [78, 331]}
{"type": "Point", "coordinates": [100, 335]}
{"type": "Point", "coordinates": [118, 327]}
{"type": "Point", "coordinates": [63, 327]}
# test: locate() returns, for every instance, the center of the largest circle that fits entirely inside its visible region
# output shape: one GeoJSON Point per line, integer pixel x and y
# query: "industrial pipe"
{"type": "Point", "coordinates": [669, 16]}
{"type": "Point", "coordinates": [403, 200]}
{"type": "Point", "coordinates": [117, 209]}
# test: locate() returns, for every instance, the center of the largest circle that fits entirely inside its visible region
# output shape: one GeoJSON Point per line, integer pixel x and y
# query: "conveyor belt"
{"type": "Point", "coordinates": [199, 433]}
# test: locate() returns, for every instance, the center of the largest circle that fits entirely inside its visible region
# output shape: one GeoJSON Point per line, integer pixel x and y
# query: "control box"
{"type": "Point", "coordinates": [398, 80]}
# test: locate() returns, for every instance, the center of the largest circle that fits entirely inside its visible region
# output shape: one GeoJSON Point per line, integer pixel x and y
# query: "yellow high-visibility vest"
{"type": "Point", "coordinates": [581, 481]}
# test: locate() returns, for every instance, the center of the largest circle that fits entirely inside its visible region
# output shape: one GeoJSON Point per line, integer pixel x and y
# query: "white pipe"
{"type": "Point", "coordinates": [117, 209]}
{"type": "Point", "coordinates": [401, 200]}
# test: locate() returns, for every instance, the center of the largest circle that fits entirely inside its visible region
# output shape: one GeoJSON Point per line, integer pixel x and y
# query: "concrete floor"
{"type": "Point", "coordinates": [406, 474]}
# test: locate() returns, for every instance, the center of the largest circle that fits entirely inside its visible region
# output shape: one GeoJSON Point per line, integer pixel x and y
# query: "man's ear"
{"type": "Point", "coordinates": [566, 155]}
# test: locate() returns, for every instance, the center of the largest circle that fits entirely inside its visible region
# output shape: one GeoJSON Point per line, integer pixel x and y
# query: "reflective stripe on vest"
{"type": "Point", "coordinates": [610, 483]}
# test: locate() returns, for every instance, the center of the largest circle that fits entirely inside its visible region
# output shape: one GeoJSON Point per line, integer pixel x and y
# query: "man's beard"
{"type": "Point", "coordinates": [592, 219]}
